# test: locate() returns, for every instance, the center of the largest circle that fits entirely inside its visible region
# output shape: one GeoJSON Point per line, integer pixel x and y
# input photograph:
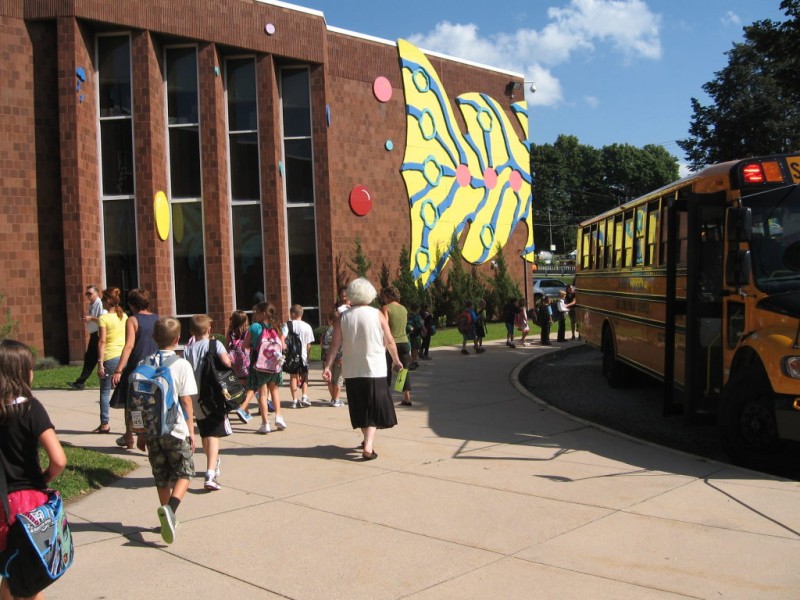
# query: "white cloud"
{"type": "Point", "coordinates": [628, 26]}
{"type": "Point", "coordinates": [730, 18]}
{"type": "Point", "coordinates": [592, 101]}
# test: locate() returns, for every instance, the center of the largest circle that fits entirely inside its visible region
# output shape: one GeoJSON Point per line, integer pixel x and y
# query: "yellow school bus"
{"type": "Point", "coordinates": [698, 285]}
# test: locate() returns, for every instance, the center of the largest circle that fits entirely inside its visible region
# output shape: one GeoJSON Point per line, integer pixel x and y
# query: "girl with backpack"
{"type": "Point", "coordinates": [24, 424]}
{"type": "Point", "coordinates": [265, 333]}
{"type": "Point", "coordinates": [239, 354]}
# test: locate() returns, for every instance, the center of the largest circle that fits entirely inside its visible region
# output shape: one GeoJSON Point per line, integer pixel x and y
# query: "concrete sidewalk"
{"type": "Point", "coordinates": [480, 492]}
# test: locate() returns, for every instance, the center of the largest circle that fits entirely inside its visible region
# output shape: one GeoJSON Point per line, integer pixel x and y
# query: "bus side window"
{"type": "Point", "coordinates": [619, 236]}
{"type": "Point", "coordinates": [652, 233]}
{"type": "Point", "coordinates": [608, 243]}
{"type": "Point", "coordinates": [638, 243]}
{"type": "Point", "coordinates": [627, 258]}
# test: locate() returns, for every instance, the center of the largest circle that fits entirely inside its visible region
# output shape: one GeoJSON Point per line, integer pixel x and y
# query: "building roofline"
{"type": "Point", "coordinates": [379, 40]}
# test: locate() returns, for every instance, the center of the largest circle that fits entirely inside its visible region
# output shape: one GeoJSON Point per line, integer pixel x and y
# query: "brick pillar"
{"type": "Point", "coordinates": [272, 198]}
{"type": "Point", "coordinates": [216, 197]}
{"type": "Point", "coordinates": [79, 175]}
{"type": "Point", "coordinates": [149, 123]}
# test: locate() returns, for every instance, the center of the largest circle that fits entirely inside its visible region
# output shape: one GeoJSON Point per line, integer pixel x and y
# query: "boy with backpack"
{"type": "Point", "coordinates": [170, 443]}
{"type": "Point", "coordinates": [299, 337]}
{"type": "Point", "coordinates": [466, 326]}
{"type": "Point", "coordinates": [212, 424]}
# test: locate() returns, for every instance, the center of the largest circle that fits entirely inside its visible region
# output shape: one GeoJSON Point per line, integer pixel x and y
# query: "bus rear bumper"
{"type": "Point", "coordinates": [787, 416]}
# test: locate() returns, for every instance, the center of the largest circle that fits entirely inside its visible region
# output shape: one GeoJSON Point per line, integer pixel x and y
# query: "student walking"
{"type": "Point", "coordinates": [521, 321]}
{"type": "Point", "coordinates": [298, 376]}
{"type": "Point", "coordinates": [337, 381]}
{"type": "Point", "coordinates": [544, 319]}
{"type": "Point", "coordinates": [509, 318]}
{"type": "Point", "coordinates": [239, 354]}
{"type": "Point", "coordinates": [267, 384]}
{"type": "Point", "coordinates": [170, 456]}
{"type": "Point", "coordinates": [397, 316]}
{"type": "Point", "coordinates": [211, 426]}
{"type": "Point", "coordinates": [24, 426]}
{"type": "Point", "coordinates": [480, 326]}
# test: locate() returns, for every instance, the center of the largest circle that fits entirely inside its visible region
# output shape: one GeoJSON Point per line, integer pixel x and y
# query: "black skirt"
{"type": "Point", "coordinates": [370, 403]}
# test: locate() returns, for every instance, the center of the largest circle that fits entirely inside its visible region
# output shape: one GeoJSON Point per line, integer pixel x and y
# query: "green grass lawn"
{"type": "Point", "coordinates": [86, 471]}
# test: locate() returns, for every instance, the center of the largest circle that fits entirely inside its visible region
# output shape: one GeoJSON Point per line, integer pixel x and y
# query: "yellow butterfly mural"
{"type": "Point", "coordinates": [480, 178]}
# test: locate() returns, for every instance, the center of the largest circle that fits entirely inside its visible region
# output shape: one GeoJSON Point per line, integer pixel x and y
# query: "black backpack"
{"type": "Point", "coordinates": [220, 389]}
{"type": "Point", "coordinates": [293, 354]}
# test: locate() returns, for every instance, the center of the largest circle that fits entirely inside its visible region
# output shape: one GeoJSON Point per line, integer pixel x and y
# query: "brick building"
{"type": "Point", "coordinates": [250, 121]}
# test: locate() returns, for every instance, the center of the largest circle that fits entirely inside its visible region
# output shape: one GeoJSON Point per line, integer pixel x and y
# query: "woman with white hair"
{"type": "Point", "coordinates": [364, 335]}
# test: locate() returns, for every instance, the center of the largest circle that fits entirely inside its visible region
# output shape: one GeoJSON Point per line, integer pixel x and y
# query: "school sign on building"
{"type": "Point", "coordinates": [208, 150]}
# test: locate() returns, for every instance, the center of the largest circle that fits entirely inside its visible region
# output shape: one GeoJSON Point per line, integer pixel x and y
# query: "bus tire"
{"type": "Point", "coordinates": [613, 369]}
{"type": "Point", "coordinates": [747, 419]}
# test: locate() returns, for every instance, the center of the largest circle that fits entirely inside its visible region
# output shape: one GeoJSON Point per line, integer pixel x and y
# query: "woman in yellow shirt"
{"type": "Point", "coordinates": [109, 349]}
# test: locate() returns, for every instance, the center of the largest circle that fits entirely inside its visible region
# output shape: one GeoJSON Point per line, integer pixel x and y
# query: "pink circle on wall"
{"type": "Point", "coordinates": [515, 179]}
{"type": "Point", "coordinates": [462, 175]}
{"type": "Point", "coordinates": [360, 200]}
{"type": "Point", "coordinates": [490, 178]}
{"type": "Point", "coordinates": [382, 89]}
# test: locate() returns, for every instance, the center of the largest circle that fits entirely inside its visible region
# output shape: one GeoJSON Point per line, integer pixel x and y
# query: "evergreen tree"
{"type": "Point", "coordinates": [404, 282]}
{"type": "Point", "coordinates": [360, 265]}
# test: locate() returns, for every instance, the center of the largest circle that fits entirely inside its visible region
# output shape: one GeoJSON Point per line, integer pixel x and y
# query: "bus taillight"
{"type": "Point", "coordinates": [752, 173]}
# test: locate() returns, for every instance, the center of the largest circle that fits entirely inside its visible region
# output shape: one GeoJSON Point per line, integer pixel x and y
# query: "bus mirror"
{"type": "Point", "coordinates": [737, 268]}
{"type": "Point", "coordinates": [739, 224]}
{"type": "Point", "coordinates": [791, 257]}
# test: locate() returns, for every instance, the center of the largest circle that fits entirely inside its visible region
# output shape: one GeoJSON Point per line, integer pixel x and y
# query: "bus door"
{"type": "Point", "coordinates": [695, 227]}
{"type": "Point", "coordinates": [704, 294]}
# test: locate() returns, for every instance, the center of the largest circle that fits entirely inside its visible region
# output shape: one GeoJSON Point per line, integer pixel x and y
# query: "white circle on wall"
{"type": "Point", "coordinates": [269, 28]}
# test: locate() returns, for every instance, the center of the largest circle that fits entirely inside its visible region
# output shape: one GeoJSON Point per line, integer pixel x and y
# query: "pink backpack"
{"type": "Point", "coordinates": [269, 355]}
{"type": "Point", "coordinates": [240, 357]}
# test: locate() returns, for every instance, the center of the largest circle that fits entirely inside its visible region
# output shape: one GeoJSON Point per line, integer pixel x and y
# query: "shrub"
{"type": "Point", "coordinates": [48, 362]}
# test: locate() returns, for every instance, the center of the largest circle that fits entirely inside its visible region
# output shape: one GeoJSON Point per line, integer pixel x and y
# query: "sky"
{"type": "Point", "coordinates": [605, 71]}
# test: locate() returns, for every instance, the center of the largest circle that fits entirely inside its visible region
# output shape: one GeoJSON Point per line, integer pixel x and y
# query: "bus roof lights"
{"type": "Point", "coordinates": [772, 170]}
{"type": "Point", "coordinates": [752, 173]}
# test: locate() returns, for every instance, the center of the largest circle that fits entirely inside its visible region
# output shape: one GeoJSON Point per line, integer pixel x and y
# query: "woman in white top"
{"type": "Point", "coordinates": [364, 335]}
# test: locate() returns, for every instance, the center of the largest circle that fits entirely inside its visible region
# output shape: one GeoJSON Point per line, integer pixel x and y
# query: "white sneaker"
{"type": "Point", "coordinates": [295, 404]}
{"type": "Point", "coordinates": [167, 519]}
{"type": "Point", "coordinates": [211, 484]}
{"type": "Point", "coordinates": [264, 429]}
{"type": "Point", "coordinates": [336, 403]}
{"type": "Point", "coordinates": [280, 424]}
{"type": "Point", "coordinates": [305, 402]}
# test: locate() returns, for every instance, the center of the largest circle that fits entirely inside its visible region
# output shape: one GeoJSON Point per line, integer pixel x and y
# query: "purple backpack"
{"type": "Point", "coordinates": [240, 357]}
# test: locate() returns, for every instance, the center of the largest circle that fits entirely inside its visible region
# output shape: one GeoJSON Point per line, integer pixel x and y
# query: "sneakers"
{"type": "Point", "coordinates": [167, 519]}
{"type": "Point", "coordinates": [465, 352]}
{"type": "Point", "coordinates": [511, 344]}
{"type": "Point", "coordinates": [336, 403]}
{"type": "Point", "coordinates": [243, 415]}
{"type": "Point", "coordinates": [305, 402]}
{"type": "Point", "coordinates": [280, 424]}
{"type": "Point", "coordinates": [295, 403]}
{"type": "Point", "coordinates": [211, 484]}
{"type": "Point", "coordinates": [264, 429]}
{"type": "Point", "coordinates": [75, 385]}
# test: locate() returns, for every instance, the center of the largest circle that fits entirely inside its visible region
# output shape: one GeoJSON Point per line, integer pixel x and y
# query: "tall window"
{"type": "Point", "coordinates": [248, 256]}
{"type": "Point", "coordinates": [299, 185]}
{"type": "Point", "coordinates": [183, 130]}
{"type": "Point", "coordinates": [116, 160]}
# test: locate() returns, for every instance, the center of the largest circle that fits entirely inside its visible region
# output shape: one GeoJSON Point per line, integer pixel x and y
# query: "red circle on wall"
{"type": "Point", "coordinates": [360, 200]}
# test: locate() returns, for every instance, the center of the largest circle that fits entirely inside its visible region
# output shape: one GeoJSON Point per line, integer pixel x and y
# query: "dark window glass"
{"type": "Point", "coordinates": [188, 256]}
{"type": "Point", "coordinates": [184, 162]}
{"type": "Point", "coordinates": [296, 103]}
{"type": "Point", "coordinates": [116, 146]}
{"type": "Point", "coordinates": [299, 171]}
{"type": "Point", "coordinates": [303, 259]}
{"type": "Point", "coordinates": [114, 75]}
{"type": "Point", "coordinates": [248, 257]}
{"type": "Point", "coordinates": [244, 166]}
{"type": "Point", "coordinates": [119, 222]}
{"type": "Point", "coordinates": [242, 112]}
{"type": "Point", "coordinates": [182, 86]}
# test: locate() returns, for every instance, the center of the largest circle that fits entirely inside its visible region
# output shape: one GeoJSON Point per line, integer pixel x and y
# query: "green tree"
{"type": "Point", "coordinates": [503, 286]}
{"type": "Point", "coordinates": [359, 265]}
{"type": "Point", "coordinates": [404, 282]}
{"type": "Point", "coordinates": [754, 108]}
{"type": "Point", "coordinates": [574, 181]}
{"type": "Point", "coordinates": [463, 285]}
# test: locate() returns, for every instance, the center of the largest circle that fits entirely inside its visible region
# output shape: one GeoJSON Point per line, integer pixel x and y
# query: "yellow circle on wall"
{"type": "Point", "coordinates": [161, 211]}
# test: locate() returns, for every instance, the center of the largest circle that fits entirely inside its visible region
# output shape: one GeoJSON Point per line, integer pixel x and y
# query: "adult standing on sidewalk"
{"type": "Point", "coordinates": [139, 344]}
{"type": "Point", "coordinates": [109, 347]}
{"type": "Point", "coordinates": [363, 334]}
{"type": "Point", "coordinates": [397, 316]}
{"type": "Point", "coordinates": [93, 313]}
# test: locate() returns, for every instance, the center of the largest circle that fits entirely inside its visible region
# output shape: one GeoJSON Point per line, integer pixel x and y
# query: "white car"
{"type": "Point", "coordinates": [550, 287]}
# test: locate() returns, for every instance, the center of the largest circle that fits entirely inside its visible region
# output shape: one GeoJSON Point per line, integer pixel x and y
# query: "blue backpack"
{"type": "Point", "coordinates": [151, 399]}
